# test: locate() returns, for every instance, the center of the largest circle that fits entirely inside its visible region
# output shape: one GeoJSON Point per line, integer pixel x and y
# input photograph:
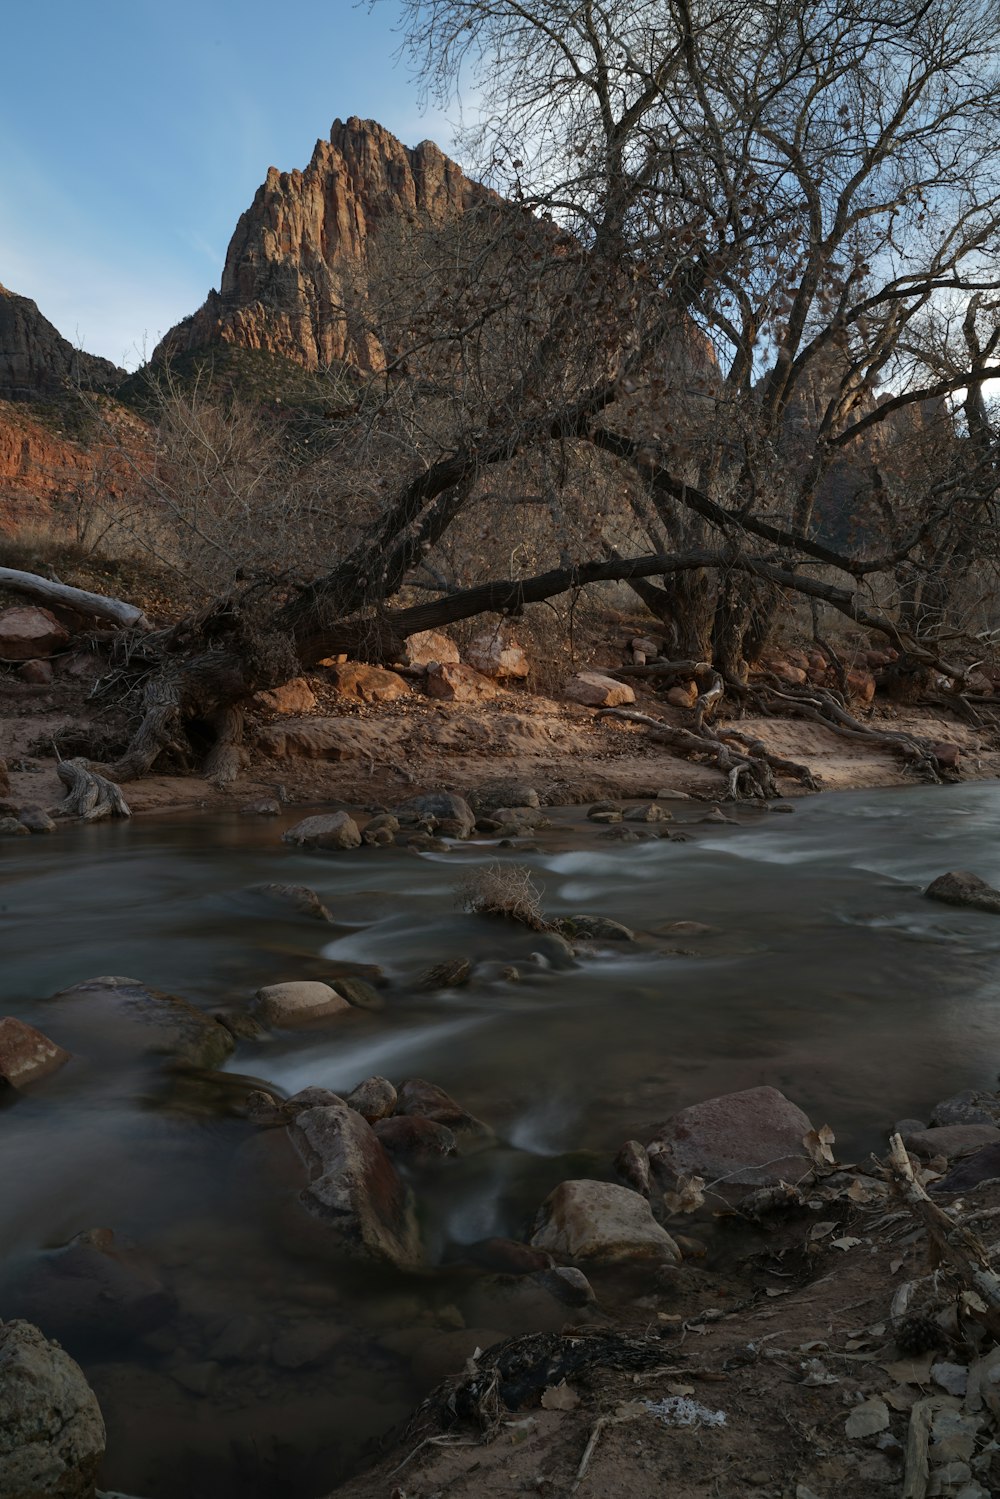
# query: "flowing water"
{"type": "Point", "coordinates": [824, 974]}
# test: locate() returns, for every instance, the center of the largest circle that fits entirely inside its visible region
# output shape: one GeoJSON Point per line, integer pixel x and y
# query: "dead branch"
{"type": "Point", "coordinates": [95, 605]}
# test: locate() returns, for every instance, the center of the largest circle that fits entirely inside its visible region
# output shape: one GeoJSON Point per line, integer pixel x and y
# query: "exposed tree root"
{"type": "Point", "coordinates": [89, 796]}
{"type": "Point", "coordinates": [227, 757]}
{"type": "Point", "coordinates": [750, 774]}
{"type": "Point", "coordinates": [820, 706]}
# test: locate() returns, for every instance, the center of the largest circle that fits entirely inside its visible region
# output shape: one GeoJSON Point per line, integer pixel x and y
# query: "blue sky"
{"type": "Point", "coordinates": [132, 136]}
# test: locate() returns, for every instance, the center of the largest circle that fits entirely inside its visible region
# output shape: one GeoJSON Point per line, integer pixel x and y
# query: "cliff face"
{"type": "Point", "coordinates": [296, 262]}
{"type": "Point", "coordinates": [37, 362]}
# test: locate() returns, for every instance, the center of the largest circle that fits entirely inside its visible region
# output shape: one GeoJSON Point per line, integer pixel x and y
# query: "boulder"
{"type": "Point", "coordinates": [25, 1054]}
{"type": "Point", "coordinates": [597, 691]}
{"type": "Point", "coordinates": [444, 807]}
{"type": "Point", "coordinates": [747, 1139]}
{"type": "Point", "coordinates": [682, 695]}
{"type": "Point", "coordinates": [429, 646]}
{"type": "Point", "coordinates": [355, 1195]}
{"type": "Point", "coordinates": [38, 673]}
{"type": "Point", "coordinates": [961, 888]}
{"type": "Point", "coordinates": [299, 899]}
{"type": "Point", "coordinates": [51, 1431]}
{"type": "Point", "coordinates": [496, 654]}
{"type": "Point", "coordinates": [951, 1140]}
{"type": "Point", "coordinates": [973, 1106]}
{"type": "Point", "coordinates": [36, 821]}
{"type": "Point", "coordinates": [13, 827]}
{"type": "Point", "coordinates": [429, 1101]}
{"type": "Point", "coordinates": [329, 830]}
{"type": "Point", "coordinates": [92, 1291]}
{"type": "Point", "coordinates": [358, 993]}
{"type": "Point", "coordinates": [373, 1099]}
{"type": "Point", "coordinates": [592, 1220]}
{"type": "Point", "coordinates": [299, 1003]}
{"type": "Point", "coordinates": [947, 755]}
{"type": "Point", "coordinates": [122, 1017]}
{"type": "Point", "coordinates": [457, 684]}
{"type": "Point", "coordinates": [485, 800]}
{"type": "Point", "coordinates": [28, 633]}
{"type": "Point", "coordinates": [370, 684]}
{"type": "Point", "coordinates": [295, 696]}
{"type": "Point", "coordinates": [415, 1138]}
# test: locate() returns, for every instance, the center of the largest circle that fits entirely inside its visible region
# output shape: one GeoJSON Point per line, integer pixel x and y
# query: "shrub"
{"type": "Point", "coordinates": [504, 890]}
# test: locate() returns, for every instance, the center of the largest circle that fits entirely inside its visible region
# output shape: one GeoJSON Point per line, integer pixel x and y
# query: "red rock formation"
{"type": "Point", "coordinates": [44, 470]}
{"type": "Point", "coordinates": [299, 250]}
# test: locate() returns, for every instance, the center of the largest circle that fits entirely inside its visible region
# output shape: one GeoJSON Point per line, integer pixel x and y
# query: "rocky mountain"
{"type": "Point", "coordinates": [36, 362]}
{"type": "Point", "coordinates": [295, 264]}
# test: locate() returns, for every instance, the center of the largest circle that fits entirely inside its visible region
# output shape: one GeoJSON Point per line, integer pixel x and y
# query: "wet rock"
{"type": "Point", "coordinates": [303, 1002]}
{"type": "Point", "coordinates": [983, 1166]}
{"type": "Point", "coordinates": [508, 1256]}
{"type": "Point", "coordinates": [523, 817]}
{"type": "Point", "coordinates": [355, 1195]}
{"type": "Point", "coordinates": [373, 1099]}
{"type": "Point", "coordinates": [951, 1140]}
{"type": "Point", "coordinates": [266, 808]}
{"type": "Point", "coordinates": [307, 1344]}
{"type": "Point", "coordinates": [750, 1138]}
{"type": "Point", "coordinates": [243, 1340]}
{"type": "Point", "coordinates": [37, 821]}
{"type": "Point", "coordinates": [295, 696]}
{"type": "Point", "coordinates": [486, 799]}
{"type": "Point", "coordinates": [92, 1292]}
{"type": "Point", "coordinates": [240, 1025]}
{"type": "Point", "coordinates": [370, 684]}
{"type": "Point", "coordinates": [28, 633]}
{"type": "Point", "coordinates": [605, 812]}
{"type": "Point", "coordinates": [457, 684]}
{"type": "Point", "coordinates": [377, 837]}
{"type": "Point", "coordinates": [358, 993]}
{"type": "Point", "coordinates": [596, 928]}
{"type": "Point", "coordinates": [380, 830]}
{"type": "Point", "coordinates": [333, 830]}
{"type": "Point", "coordinates": [648, 812]}
{"type": "Point", "coordinates": [961, 888]}
{"type": "Point", "coordinates": [51, 1430]}
{"type": "Point", "coordinates": [623, 835]}
{"type": "Point", "coordinates": [567, 1284]}
{"type": "Point", "coordinates": [26, 1055]}
{"type": "Point", "coordinates": [685, 929]}
{"type": "Point", "coordinates": [716, 815]}
{"type": "Point", "coordinates": [632, 1165]}
{"type": "Point", "coordinates": [497, 654]}
{"type": "Point", "coordinates": [312, 1098]}
{"type": "Point", "coordinates": [594, 690]}
{"type": "Point", "coordinates": [114, 1016]}
{"type": "Point", "coordinates": [592, 1220]}
{"type": "Point", "coordinates": [266, 1111]}
{"type": "Point", "coordinates": [441, 806]}
{"type": "Point", "coordinates": [973, 1106]}
{"type": "Point", "coordinates": [415, 1138]}
{"type": "Point", "coordinates": [196, 1378]}
{"type": "Point", "coordinates": [429, 646]}
{"type": "Point", "coordinates": [297, 898]}
{"type": "Point", "coordinates": [452, 974]}
{"type": "Point", "coordinates": [416, 1096]}
{"type": "Point", "coordinates": [13, 827]}
{"type": "Point", "coordinates": [557, 951]}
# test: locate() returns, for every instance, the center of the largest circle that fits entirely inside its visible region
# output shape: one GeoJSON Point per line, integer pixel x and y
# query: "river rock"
{"type": "Point", "coordinates": [13, 827]}
{"type": "Point", "coordinates": [502, 793]}
{"type": "Point", "coordinates": [983, 1165]}
{"type": "Point", "coordinates": [29, 633]}
{"type": "Point", "coordinates": [594, 690]}
{"type": "Point", "coordinates": [415, 1138]}
{"type": "Point", "coordinates": [961, 888]}
{"type": "Point", "coordinates": [497, 654]}
{"type": "Point", "coordinates": [747, 1139]}
{"type": "Point", "coordinates": [358, 992]}
{"type": "Point", "coordinates": [26, 1054]}
{"type": "Point", "coordinates": [295, 696]}
{"type": "Point", "coordinates": [951, 1140]}
{"type": "Point", "coordinates": [592, 1220]}
{"type": "Point", "coordinates": [36, 821]}
{"type": "Point", "coordinates": [648, 812]}
{"type": "Point", "coordinates": [355, 1193]}
{"type": "Point", "coordinates": [268, 807]}
{"type": "Point", "coordinates": [330, 830]}
{"type": "Point", "coordinates": [371, 684]}
{"type": "Point", "coordinates": [113, 1016]}
{"type": "Point", "coordinates": [445, 807]}
{"type": "Point", "coordinates": [457, 684]}
{"type": "Point", "coordinates": [51, 1430]}
{"type": "Point", "coordinates": [92, 1291]}
{"type": "Point", "coordinates": [451, 974]}
{"type": "Point", "coordinates": [972, 1106]}
{"type": "Point", "coordinates": [297, 898]}
{"type": "Point", "coordinates": [373, 1099]}
{"type": "Point", "coordinates": [427, 1100]}
{"type": "Point", "coordinates": [632, 1165]}
{"type": "Point", "coordinates": [596, 928]}
{"type": "Point", "coordinates": [567, 1284]}
{"type": "Point", "coordinates": [302, 1002]}
{"type": "Point", "coordinates": [428, 646]}
{"type": "Point", "coordinates": [312, 1098]}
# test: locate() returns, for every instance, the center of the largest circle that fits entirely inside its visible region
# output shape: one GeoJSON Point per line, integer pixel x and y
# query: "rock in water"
{"type": "Point", "coordinates": [747, 1139]}
{"type": "Point", "coordinates": [428, 1101]}
{"type": "Point", "coordinates": [961, 888]}
{"type": "Point", "coordinates": [25, 1054]}
{"type": "Point", "coordinates": [51, 1430]}
{"type": "Point", "coordinates": [330, 831]}
{"type": "Point", "coordinates": [443, 806]}
{"type": "Point", "coordinates": [354, 1191]}
{"type": "Point", "coordinates": [373, 1099]}
{"type": "Point", "coordinates": [112, 1017]}
{"type": "Point", "coordinates": [298, 1003]}
{"type": "Point", "coordinates": [591, 1220]}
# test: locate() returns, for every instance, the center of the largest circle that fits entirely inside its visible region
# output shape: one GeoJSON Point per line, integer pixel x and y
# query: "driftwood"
{"type": "Point", "coordinates": [96, 605]}
{"type": "Point", "coordinates": [89, 796]}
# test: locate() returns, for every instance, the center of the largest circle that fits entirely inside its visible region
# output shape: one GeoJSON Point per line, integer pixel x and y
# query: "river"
{"type": "Point", "coordinates": [824, 973]}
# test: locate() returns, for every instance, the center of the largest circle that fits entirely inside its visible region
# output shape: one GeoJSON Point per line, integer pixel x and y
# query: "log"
{"type": "Point", "coordinates": [96, 605]}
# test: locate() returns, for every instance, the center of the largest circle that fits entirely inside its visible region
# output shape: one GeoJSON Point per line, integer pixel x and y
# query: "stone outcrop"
{"type": "Point", "coordinates": [37, 362]}
{"type": "Point", "coordinates": [295, 267]}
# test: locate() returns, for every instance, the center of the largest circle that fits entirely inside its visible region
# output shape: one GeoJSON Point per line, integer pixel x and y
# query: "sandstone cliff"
{"type": "Point", "coordinates": [48, 473]}
{"type": "Point", "coordinates": [295, 265]}
{"type": "Point", "coordinates": [36, 362]}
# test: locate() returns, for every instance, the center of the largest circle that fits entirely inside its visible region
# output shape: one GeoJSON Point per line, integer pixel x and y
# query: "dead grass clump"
{"type": "Point", "coordinates": [504, 890]}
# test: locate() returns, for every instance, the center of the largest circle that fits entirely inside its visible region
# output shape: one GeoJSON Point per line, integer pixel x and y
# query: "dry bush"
{"type": "Point", "coordinates": [504, 890]}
